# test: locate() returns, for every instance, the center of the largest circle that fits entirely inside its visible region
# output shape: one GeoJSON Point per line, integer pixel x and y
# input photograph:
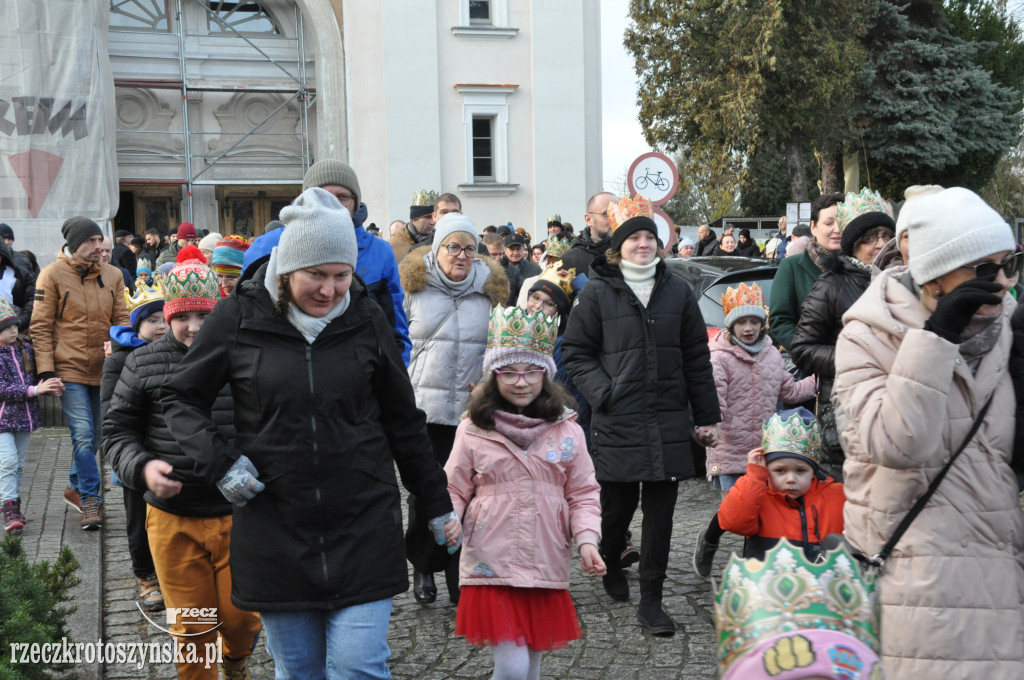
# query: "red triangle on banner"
{"type": "Point", "coordinates": [37, 170]}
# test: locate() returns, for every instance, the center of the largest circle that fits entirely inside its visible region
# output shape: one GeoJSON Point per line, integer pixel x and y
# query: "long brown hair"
{"type": "Point", "coordinates": [284, 296]}
{"type": "Point", "coordinates": [549, 405]}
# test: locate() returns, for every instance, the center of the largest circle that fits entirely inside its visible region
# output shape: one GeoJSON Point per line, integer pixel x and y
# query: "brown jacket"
{"type": "Point", "coordinates": [75, 306]}
{"type": "Point", "coordinates": [401, 243]}
{"type": "Point", "coordinates": [953, 589]}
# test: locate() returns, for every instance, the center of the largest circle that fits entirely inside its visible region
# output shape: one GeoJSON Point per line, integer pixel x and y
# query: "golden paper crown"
{"type": "Point", "coordinates": [513, 328]}
{"type": "Point", "coordinates": [424, 198]}
{"type": "Point", "coordinates": [794, 431]}
{"type": "Point", "coordinates": [143, 295]}
{"type": "Point", "coordinates": [743, 301]}
{"type": "Point", "coordinates": [628, 208]}
{"type": "Point", "coordinates": [855, 205]}
{"type": "Point", "coordinates": [556, 247]}
{"type": "Point", "coordinates": [561, 278]}
{"type": "Point", "coordinates": [785, 593]}
{"type": "Point", "coordinates": [554, 218]}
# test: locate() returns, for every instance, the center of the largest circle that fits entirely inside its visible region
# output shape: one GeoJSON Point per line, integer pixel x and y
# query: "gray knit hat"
{"type": "Point", "coordinates": [78, 230]}
{"type": "Point", "coordinates": [448, 225]}
{"type": "Point", "coordinates": [949, 229]}
{"type": "Point", "coordinates": [332, 171]}
{"type": "Point", "coordinates": [318, 230]}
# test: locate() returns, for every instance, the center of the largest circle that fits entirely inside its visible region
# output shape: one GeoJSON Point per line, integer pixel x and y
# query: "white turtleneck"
{"type": "Point", "coordinates": [640, 278]}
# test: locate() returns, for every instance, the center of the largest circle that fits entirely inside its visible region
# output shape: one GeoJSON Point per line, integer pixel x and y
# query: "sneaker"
{"type": "Point", "coordinates": [631, 555]}
{"type": "Point", "coordinates": [12, 521]}
{"type": "Point", "coordinates": [17, 508]}
{"type": "Point", "coordinates": [72, 498]}
{"type": "Point", "coordinates": [703, 555]}
{"type": "Point", "coordinates": [92, 514]}
{"type": "Point", "coordinates": [150, 597]}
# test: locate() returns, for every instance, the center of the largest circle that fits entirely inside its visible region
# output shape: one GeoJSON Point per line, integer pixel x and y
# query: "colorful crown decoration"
{"type": "Point", "coordinates": [627, 208]}
{"type": "Point", "coordinates": [513, 328]}
{"type": "Point", "coordinates": [424, 198]}
{"type": "Point", "coordinates": [743, 296]}
{"type": "Point", "coordinates": [785, 593]}
{"type": "Point", "coordinates": [143, 296]}
{"type": "Point", "coordinates": [855, 205]}
{"type": "Point", "coordinates": [191, 279]}
{"type": "Point", "coordinates": [562, 278]}
{"type": "Point", "coordinates": [792, 435]}
{"type": "Point", "coordinates": [556, 247]}
{"type": "Point", "coordinates": [554, 218]}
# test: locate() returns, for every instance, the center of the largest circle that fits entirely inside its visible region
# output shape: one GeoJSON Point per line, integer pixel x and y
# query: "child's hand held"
{"type": "Point", "coordinates": [756, 457]}
{"type": "Point", "coordinates": [592, 562]}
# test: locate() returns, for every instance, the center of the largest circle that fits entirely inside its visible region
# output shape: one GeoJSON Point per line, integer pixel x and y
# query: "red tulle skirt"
{"type": "Point", "coordinates": [539, 618]}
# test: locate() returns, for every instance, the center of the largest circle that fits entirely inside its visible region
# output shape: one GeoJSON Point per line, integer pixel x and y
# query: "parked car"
{"type": "Point", "coordinates": [710, 276]}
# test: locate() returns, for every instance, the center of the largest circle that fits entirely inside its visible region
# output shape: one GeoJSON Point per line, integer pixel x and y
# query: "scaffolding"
{"type": "Point", "coordinates": [298, 91]}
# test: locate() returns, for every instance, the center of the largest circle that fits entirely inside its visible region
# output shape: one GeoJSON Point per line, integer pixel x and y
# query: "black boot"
{"type": "Point", "coordinates": [652, 617]}
{"type": "Point", "coordinates": [451, 578]}
{"type": "Point", "coordinates": [614, 580]}
{"type": "Point", "coordinates": [423, 587]}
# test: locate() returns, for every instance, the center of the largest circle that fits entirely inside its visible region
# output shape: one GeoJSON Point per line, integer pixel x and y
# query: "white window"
{"type": "Point", "coordinates": [485, 117]}
{"type": "Point", "coordinates": [479, 13]}
{"type": "Point", "coordinates": [482, 19]}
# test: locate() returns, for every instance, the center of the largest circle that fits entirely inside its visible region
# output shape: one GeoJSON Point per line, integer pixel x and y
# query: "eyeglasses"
{"type": "Point", "coordinates": [883, 234]}
{"type": "Point", "coordinates": [345, 198]}
{"type": "Point", "coordinates": [512, 377]}
{"type": "Point", "coordinates": [549, 307]}
{"type": "Point", "coordinates": [454, 249]}
{"type": "Point", "coordinates": [990, 270]}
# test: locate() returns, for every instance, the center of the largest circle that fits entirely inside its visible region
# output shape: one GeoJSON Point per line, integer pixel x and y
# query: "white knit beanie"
{"type": "Point", "coordinates": [912, 193]}
{"type": "Point", "coordinates": [448, 225]}
{"type": "Point", "coordinates": [318, 230]}
{"type": "Point", "coordinates": [949, 229]}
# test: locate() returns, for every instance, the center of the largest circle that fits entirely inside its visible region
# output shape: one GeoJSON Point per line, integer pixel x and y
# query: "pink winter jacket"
{"type": "Point", "coordinates": [748, 388]}
{"type": "Point", "coordinates": [520, 509]}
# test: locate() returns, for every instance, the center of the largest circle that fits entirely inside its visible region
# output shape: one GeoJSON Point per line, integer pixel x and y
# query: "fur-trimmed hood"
{"type": "Point", "coordinates": [414, 276]}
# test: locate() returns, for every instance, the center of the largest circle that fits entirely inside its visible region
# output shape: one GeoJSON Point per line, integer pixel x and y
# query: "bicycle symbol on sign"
{"type": "Point", "coordinates": [659, 182]}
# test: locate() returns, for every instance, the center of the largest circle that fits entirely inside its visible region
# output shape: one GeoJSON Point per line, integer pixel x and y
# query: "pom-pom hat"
{"type": "Point", "coordinates": [190, 285]}
{"type": "Point", "coordinates": [858, 214]}
{"type": "Point", "coordinates": [743, 301]}
{"type": "Point", "coordinates": [228, 256]}
{"type": "Point", "coordinates": [628, 216]}
{"type": "Point", "coordinates": [514, 337]}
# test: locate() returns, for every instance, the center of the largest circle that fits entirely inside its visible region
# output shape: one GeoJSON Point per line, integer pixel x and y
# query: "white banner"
{"type": "Point", "coordinates": [57, 132]}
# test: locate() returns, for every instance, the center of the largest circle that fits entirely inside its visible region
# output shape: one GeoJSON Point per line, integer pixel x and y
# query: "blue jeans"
{"type": "Point", "coordinates": [12, 463]}
{"type": "Point", "coordinates": [337, 644]}
{"type": "Point", "coordinates": [81, 406]}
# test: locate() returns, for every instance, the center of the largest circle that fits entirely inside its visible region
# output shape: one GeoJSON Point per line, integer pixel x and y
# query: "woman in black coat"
{"type": "Point", "coordinates": [636, 347]}
{"type": "Point", "coordinates": [866, 228]}
{"type": "Point", "coordinates": [323, 410]}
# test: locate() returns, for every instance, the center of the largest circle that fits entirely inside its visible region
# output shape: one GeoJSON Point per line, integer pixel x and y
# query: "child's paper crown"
{"type": "Point", "coordinates": [794, 432]}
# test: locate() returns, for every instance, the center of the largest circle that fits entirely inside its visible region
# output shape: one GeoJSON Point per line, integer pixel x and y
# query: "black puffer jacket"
{"type": "Point", "coordinates": [517, 273]}
{"type": "Point", "coordinates": [24, 291]}
{"type": "Point", "coordinates": [1017, 373]}
{"type": "Point", "coordinates": [821, 319]}
{"type": "Point", "coordinates": [584, 251]}
{"type": "Point", "coordinates": [324, 424]}
{"type": "Point", "coordinates": [642, 370]}
{"type": "Point", "coordinates": [135, 432]}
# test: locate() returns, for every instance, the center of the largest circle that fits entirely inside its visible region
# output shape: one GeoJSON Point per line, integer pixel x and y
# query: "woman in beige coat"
{"type": "Point", "coordinates": [920, 354]}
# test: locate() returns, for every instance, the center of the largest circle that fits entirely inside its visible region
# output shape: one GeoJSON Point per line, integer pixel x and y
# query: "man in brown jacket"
{"type": "Point", "coordinates": [421, 224]}
{"type": "Point", "coordinates": [78, 299]}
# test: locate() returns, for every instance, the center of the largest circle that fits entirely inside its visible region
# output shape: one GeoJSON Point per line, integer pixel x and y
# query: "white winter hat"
{"type": "Point", "coordinates": [909, 194]}
{"type": "Point", "coordinates": [949, 229]}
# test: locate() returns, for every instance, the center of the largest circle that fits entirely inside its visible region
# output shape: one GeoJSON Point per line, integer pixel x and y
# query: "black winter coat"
{"type": "Point", "coordinates": [517, 273]}
{"type": "Point", "coordinates": [24, 291]}
{"type": "Point", "coordinates": [1017, 374]}
{"type": "Point", "coordinates": [135, 431]}
{"type": "Point", "coordinates": [749, 250]}
{"type": "Point", "coordinates": [324, 424]}
{"type": "Point", "coordinates": [642, 370]}
{"type": "Point", "coordinates": [584, 251]}
{"type": "Point", "coordinates": [112, 367]}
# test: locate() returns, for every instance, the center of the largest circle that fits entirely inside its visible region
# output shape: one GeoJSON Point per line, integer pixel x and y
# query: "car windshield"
{"type": "Point", "coordinates": [711, 301]}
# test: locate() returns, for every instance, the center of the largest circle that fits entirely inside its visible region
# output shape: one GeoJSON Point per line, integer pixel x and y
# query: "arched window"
{"type": "Point", "coordinates": [243, 16]}
{"type": "Point", "coordinates": [138, 15]}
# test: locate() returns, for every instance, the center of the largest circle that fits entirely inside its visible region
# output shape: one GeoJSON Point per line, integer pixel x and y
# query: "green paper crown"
{"type": "Point", "coordinates": [792, 435]}
{"type": "Point", "coordinates": [424, 198]}
{"type": "Point", "coordinates": [556, 247]}
{"type": "Point", "coordinates": [513, 328]}
{"type": "Point", "coordinates": [855, 205]}
{"type": "Point", "coordinates": [191, 280]}
{"type": "Point", "coordinates": [785, 593]}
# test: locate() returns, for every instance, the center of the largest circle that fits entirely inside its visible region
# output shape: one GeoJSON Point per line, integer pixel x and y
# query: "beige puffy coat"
{"type": "Point", "coordinates": [953, 589]}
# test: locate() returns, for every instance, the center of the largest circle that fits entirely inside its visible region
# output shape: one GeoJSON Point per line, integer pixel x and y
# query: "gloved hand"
{"type": "Point", "coordinates": [954, 310]}
{"type": "Point", "coordinates": [444, 528]}
{"type": "Point", "coordinates": [240, 485]}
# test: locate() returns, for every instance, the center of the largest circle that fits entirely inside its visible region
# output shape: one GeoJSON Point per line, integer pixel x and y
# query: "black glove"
{"type": "Point", "coordinates": [956, 308]}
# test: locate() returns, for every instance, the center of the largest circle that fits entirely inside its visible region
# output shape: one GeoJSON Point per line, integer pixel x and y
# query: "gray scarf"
{"type": "Point", "coordinates": [456, 288]}
{"type": "Point", "coordinates": [309, 326]}
{"type": "Point", "coordinates": [980, 337]}
{"type": "Point", "coordinates": [755, 348]}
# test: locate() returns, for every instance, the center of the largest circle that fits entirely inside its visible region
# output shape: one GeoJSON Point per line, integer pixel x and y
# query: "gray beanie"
{"type": "Point", "coordinates": [448, 225]}
{"type": "Point", "coordinates": [332, 171]}
{"type": "Point", "coordinates": [78, 230]}
{"type": "Point", "coordinates": [949, 229]}
{"type": "Point", "coordinates": [318, 230]}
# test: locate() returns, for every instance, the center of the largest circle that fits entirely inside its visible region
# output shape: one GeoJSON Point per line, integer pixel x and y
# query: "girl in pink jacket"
{"type": "Point", "coordinates": [750, 378]}
{"type": "Point", "coordinates": [522, 480]}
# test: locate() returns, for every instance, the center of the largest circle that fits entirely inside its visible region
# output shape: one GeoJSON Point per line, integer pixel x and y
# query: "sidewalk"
{"type": "Point", "coordinates": [422, 644]}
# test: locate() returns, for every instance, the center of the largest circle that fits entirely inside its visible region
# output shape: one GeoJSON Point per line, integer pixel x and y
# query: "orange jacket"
{"type": "Point", "coordinates": [752, 509]}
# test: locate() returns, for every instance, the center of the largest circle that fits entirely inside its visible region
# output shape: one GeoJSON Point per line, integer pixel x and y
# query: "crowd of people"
{"type": "Point", "coordinates": [259, 401]}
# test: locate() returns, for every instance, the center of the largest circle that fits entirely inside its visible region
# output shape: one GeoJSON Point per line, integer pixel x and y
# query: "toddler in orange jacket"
{"type": "Point", "coordinates": [784, 494]}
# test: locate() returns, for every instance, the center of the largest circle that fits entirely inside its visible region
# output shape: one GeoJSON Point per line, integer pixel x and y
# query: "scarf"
{"type": "Point", "coordinates": [640, 278]}
{"type": "Point", "coordinates": [521, 430]}
{"type": "Point", "coordinates": [456, 288]}
{"type": "Point", "coordinates": [753, 349]}
{"type": "Point", "coordinates": [819, 254]}
{"type": "Point", "coordinates": [863, 266]}
{"type": "Point", "coordinates": [980, 337]}
{"type": "Point", "coordinates": [309, 326]}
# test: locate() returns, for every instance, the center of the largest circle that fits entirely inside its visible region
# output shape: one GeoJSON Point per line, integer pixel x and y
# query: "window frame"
{"type": "Point", "coordinates": [487, 101]}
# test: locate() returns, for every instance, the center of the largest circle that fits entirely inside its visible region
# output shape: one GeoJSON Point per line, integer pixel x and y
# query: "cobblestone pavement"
{"type": "Point", "coordinates": [422, 643]}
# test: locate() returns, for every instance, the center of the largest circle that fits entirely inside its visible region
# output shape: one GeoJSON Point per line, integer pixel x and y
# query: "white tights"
{"type": "Point", "coordinates": [515, 662]}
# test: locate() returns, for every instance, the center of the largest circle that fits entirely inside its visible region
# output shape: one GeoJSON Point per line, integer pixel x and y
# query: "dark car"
{"type": "Point", "coordinates": [710, 276]}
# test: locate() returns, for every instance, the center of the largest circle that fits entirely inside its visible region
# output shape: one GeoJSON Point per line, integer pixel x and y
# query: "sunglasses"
{"type": "Point", "coordinates": [990, 270]}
